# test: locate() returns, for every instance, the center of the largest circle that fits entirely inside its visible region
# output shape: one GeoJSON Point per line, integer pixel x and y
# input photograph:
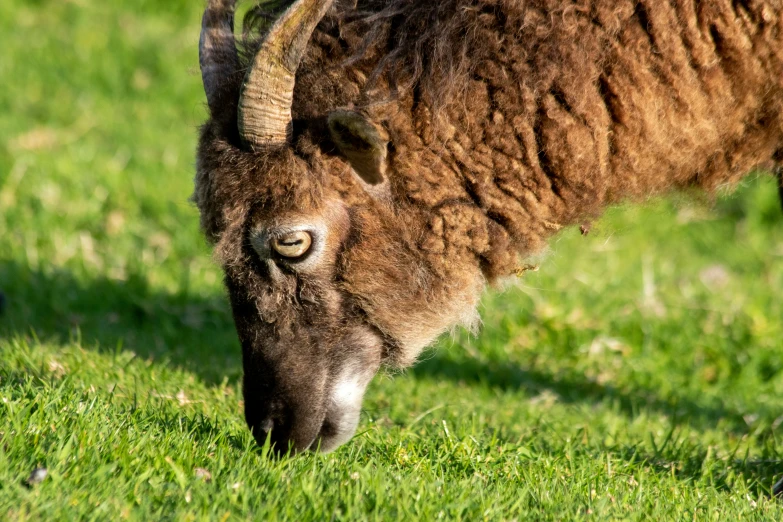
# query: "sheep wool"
{"type": "Point", "coordinates": [433, 146]}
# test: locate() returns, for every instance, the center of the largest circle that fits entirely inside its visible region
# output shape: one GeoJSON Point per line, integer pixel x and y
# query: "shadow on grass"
{"type": "Point", "coordinates": [192, 331]}
{"type": "Point", "coordinates": [571, 388]}
{"type": "Point", "coordinates": [196, 332]}
{"type": "Point", "coordinates": [677, 457]}
{"type": "Point", "coordinates": [674, 455]}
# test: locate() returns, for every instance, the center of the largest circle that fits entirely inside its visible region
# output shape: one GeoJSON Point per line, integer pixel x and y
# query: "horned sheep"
{"type": "Point", "coordinates": [369, 167]}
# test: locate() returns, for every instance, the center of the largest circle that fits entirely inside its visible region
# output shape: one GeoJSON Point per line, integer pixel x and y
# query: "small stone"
{"type": "Point", "coordinates": [203, 474]}
{"type": "Point", "coordinates": [37, 476]}
{"type": "Point", "coordinates": [715, 277]}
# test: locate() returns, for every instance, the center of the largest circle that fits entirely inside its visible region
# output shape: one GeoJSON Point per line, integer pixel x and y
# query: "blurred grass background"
{"type": "Point", "coordinates": [638, 374]}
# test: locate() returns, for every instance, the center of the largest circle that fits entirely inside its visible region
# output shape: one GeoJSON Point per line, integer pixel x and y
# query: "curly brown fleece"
{"type": "Point", "coordinates": [507, 121]}
{"type": "Point", "coordinates": [434, 146]}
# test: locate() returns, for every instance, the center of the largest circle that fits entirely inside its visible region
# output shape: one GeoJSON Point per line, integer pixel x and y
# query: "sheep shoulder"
{"type": "Point", "coordinates": [510, 120]}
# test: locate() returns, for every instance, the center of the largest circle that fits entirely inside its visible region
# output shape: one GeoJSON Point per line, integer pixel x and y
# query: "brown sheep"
{"type": "Point", "coordinates": [377, 165]}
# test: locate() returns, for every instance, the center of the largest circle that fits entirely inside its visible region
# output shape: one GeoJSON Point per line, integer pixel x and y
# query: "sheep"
{"type": "Point", "coordinates": [369, 167]}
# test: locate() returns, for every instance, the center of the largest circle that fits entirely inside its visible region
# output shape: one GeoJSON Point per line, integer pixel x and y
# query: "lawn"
{"type": "Point", "coordinates": [638, 375]}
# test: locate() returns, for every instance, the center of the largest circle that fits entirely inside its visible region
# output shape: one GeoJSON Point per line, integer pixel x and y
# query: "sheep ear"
{"type": "Point", "coordinates": [362, 143]}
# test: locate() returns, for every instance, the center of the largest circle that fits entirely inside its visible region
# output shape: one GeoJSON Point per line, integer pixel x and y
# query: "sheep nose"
{"type": "Point", "coordinates": [262, 429]}
{"type": "Point", "coordinates": [267, 424]}
{"type": "Point", "coordinates": [277, 431]}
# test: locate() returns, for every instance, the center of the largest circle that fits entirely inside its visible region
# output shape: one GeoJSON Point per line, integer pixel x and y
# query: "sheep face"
{"type": "Point", "coordinates": [322, 264]}
{"type": "Point", "coordinates": [325, 284]}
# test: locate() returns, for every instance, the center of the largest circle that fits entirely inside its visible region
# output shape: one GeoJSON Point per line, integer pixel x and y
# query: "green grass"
{"type": "Point", "coordinates": [638, 375]}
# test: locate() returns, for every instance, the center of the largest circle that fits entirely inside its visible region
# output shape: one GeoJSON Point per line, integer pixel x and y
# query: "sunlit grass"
{"type": "Point", "coordinates": [637, 375]}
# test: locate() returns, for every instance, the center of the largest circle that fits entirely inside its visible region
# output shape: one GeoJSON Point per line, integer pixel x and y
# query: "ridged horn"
{"type": "Point", "coordinates": [268, 91]}
{"type": "Point", "coordinates": [217, 53]}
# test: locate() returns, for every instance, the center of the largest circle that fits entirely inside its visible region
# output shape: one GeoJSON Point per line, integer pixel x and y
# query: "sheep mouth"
{"type": "Point", "coordinates": [342, 414]}
{"type": "Point", "coordinates": [333, 435]}
{"type": "Point", "coordinates": [299, 425]}
{"type": "Point", "coordinates": [337, 427]}
{"type": "Point", "coordinates": [343, 403]}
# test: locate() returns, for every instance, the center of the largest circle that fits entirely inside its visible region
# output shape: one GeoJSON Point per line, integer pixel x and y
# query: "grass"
{"type": "Point", "coordinates": [638, 375]}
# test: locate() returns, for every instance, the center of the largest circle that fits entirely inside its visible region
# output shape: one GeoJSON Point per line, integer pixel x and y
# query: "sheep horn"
{"type": "Point", "coordinates": [217, 53]}
{"type": "Point", "coordinates": [780, 193]}
{"type": "Point", "coordinates": [268, 91]}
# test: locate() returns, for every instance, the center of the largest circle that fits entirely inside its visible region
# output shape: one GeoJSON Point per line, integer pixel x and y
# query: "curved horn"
{"type": "Point", "coordinates": [217, 53]}
{"type": "Point", "coordinates": [268, 90]}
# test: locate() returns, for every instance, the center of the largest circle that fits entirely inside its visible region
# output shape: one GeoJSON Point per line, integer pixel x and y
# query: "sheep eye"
{"type": "Point", "coordinates": [293, 244]}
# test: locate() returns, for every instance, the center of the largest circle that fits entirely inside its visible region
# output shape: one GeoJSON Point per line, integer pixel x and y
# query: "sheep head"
{"type": "Point", "coordinates": [326, 278]}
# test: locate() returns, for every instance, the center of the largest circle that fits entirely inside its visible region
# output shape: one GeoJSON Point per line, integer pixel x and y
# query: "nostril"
{"type": "Point", "coordinates": [270, 429]}
{"type": "Point", "coordinates": [267, 424]}
{"type": "Point", "coordinates": [275, 425]}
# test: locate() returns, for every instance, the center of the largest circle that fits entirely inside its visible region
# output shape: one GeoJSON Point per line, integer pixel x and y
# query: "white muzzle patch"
{"type": "Point", "coordinates": [345, 405]}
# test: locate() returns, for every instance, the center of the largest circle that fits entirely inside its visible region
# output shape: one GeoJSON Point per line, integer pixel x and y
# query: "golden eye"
{"type": "Point", "coordinates": [293, 244]}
